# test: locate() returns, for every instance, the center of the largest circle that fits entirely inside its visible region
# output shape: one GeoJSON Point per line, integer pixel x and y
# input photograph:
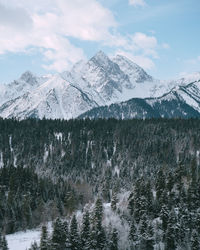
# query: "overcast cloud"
{"type": "Point", "coordinates": [48, 26]}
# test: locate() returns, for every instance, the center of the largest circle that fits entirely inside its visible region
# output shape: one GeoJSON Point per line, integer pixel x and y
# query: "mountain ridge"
{"type": "Point", "coordinates": [100, 81]}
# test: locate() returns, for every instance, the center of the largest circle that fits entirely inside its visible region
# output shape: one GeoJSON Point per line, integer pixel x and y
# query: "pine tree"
{"type": "Point", "coordinates": [58, 236]}
{"type": "Point", "coordinates": [133, 236]}
{"type": "Point", "coordinates": [27, 211]}
{"type": "Point", "coordinates": [4, 243]}
{"type": "Point", "coordinates": [164, 215]}
{"type": "Point", "coordinates": [98, 211]}
{"type": "Point", "coordinates": [44, 242]}
{"type": "Point", "coordinates": [85, 232]}
{"type": "Point", "coordinates": [74, 235]}
{"type": "Point", "coordinates": [195, 240]}
{"type": "Point", "coordinates": [67, 241]}
{"type": "Point", "coordinates": [114, 202]}
{"type": "Point", "coordinates": [149, 237]}
{"type": "Point", "coordinates": [114, 240]}
{"type": "Point", "coordinates": [170, 233]}
{"type": "Point", "coordinates": [98, 230]}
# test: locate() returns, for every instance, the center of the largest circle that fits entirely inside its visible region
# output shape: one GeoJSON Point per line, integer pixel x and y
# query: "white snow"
{"type": "Point", "coordinates": [59, 136]}
{"type": "Point", "coordinates": [12, 152]}
{"type": "Point", "coordinates": [116, 170]}
{"type": "Point", "coordinates": [22, 240]}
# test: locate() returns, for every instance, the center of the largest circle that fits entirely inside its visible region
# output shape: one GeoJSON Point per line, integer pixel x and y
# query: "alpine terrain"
{"type": "Point", "coordinates": [95, 83]}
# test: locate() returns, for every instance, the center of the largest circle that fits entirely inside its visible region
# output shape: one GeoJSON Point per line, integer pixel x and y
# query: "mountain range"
{"type": "Point", "coordinates": [101, 87]}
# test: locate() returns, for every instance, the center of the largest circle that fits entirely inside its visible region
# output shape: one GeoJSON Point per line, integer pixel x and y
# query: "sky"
{"type": "Point", "coordinates": [49, 36]}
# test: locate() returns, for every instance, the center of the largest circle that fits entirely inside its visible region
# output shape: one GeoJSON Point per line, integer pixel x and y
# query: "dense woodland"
{"type": "Point", "coordinates": [146, 171]}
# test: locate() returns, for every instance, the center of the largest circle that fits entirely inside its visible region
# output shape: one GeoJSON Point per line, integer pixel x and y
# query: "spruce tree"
{"type": "Point", "coordinates": [170, 233]}
{"type": "Point", "coordinates": [150, 237]}
{"type": "Point", "coordinates": [44, 241]}
{"type": "Point", "coordinates": [67, 236]}
{"type": "Point", "coordinates": [195, 240]}
{"type": "Point", "coordinates": [4, 243]}
{"type": "Point", "coordinates": [98, 230]}
{"type": "Point", "coordinates": [58, 236]}
{"type": "Point", "coordinates": [114, 240]}
{"type": "Point", "coordinates": [133, 232]}
{"type": "Point", "coordinates": [85, 232]}
{"type": "Point", "coordinates": [74, 235]}
{"type": "Point", "coordinates": [114, 202]}
{"type": "Point", "coordinates": [164, 215]}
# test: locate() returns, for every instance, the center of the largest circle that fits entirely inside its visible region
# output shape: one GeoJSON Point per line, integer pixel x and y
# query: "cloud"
{"type": "Point", "coordinates": [138, 47]}
{"type": "Point", "coordinates": [16, 18]}
{"type": "Point", "coordinates": [137, 2]}
{"type": "Point", "coordinates": [146, 44]}
{"type": "Point", "coordinates": [48, 25]}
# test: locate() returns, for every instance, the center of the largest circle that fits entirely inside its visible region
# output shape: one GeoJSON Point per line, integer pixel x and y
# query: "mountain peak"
{"type": "Point", "coordinates": [28, 77]}
{"type": "Point", "coordinates": [101, 58]}
{"type": "Point", "coordinates": [100, 53]}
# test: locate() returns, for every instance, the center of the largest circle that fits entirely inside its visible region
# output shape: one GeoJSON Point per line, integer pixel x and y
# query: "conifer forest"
{"type": "Point", "coordinates": [104, 184]}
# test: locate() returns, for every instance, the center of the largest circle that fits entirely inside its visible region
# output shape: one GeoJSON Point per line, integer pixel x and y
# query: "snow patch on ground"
{"type": "Point", "coordinates": [23, 240]}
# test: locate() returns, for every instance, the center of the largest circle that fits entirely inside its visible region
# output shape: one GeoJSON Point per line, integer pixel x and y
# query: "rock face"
{"type": "Point", "coordinates": [98, 82]}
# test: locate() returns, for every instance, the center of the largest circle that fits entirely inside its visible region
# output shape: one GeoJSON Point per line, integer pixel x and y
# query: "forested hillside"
{"type": "Point", "coordinates": [51, 168]}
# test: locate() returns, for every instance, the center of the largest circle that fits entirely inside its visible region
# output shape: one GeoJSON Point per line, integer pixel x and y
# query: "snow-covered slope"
{"type": "Point", "coordinates": [55, 98]}
{"type": "Point", "coordinates": [97, 82]}
{"type": "Point", "coordinates": [132, 70]}
{"type": "Point", "coordinates": [27, 82]}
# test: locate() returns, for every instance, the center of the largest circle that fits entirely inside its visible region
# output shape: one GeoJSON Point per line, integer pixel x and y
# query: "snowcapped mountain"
{"type": "Point", "coordinates": [90, 84]}
{"type": "Point", "coordinates": [27, 82]}
{"type": "Point", "coordinates": [103, 78]}
{"type": "Point", "coordinates": [55, 98]}
{"type": "Point", "coordinates": [132, 70]}
{"type": "Point", "coordinates": [182, 102]}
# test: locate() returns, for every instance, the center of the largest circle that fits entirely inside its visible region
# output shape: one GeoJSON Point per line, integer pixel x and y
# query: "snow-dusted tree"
{"type": "Point", "coordinates": [58, 236]}
{"type": "Point", "coordinates": [4, 244]}
{"type": "Point", "coordinates": [67, 239]}
{"type": "Point", "coordinates": [164, 215]}
{"type": "Point", "coordinates": [198, 221]}
{"type": "Point", "coordinates": [98, 230]}
{"type": "Point", "coordinates": [149, 237]}
{"type": "Point", "coordinates": [44, 241]}
{"type": "Point", "coordinates": [133, 236]}
{"type": "Point", "coordinates": [114, 240]}
{"type": "Point", "coordinates": [98, 211]}
{"type": "Point", "coordinates": [114, 202]}
{"type": "Point", "coordinates": [74, 235]}
{"type": "Point", "coordinates": [195, 240]}
{"type": "Point", "coordinates": [85, 232]}
{"type": "Point", "coordinates": [170, 232]}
